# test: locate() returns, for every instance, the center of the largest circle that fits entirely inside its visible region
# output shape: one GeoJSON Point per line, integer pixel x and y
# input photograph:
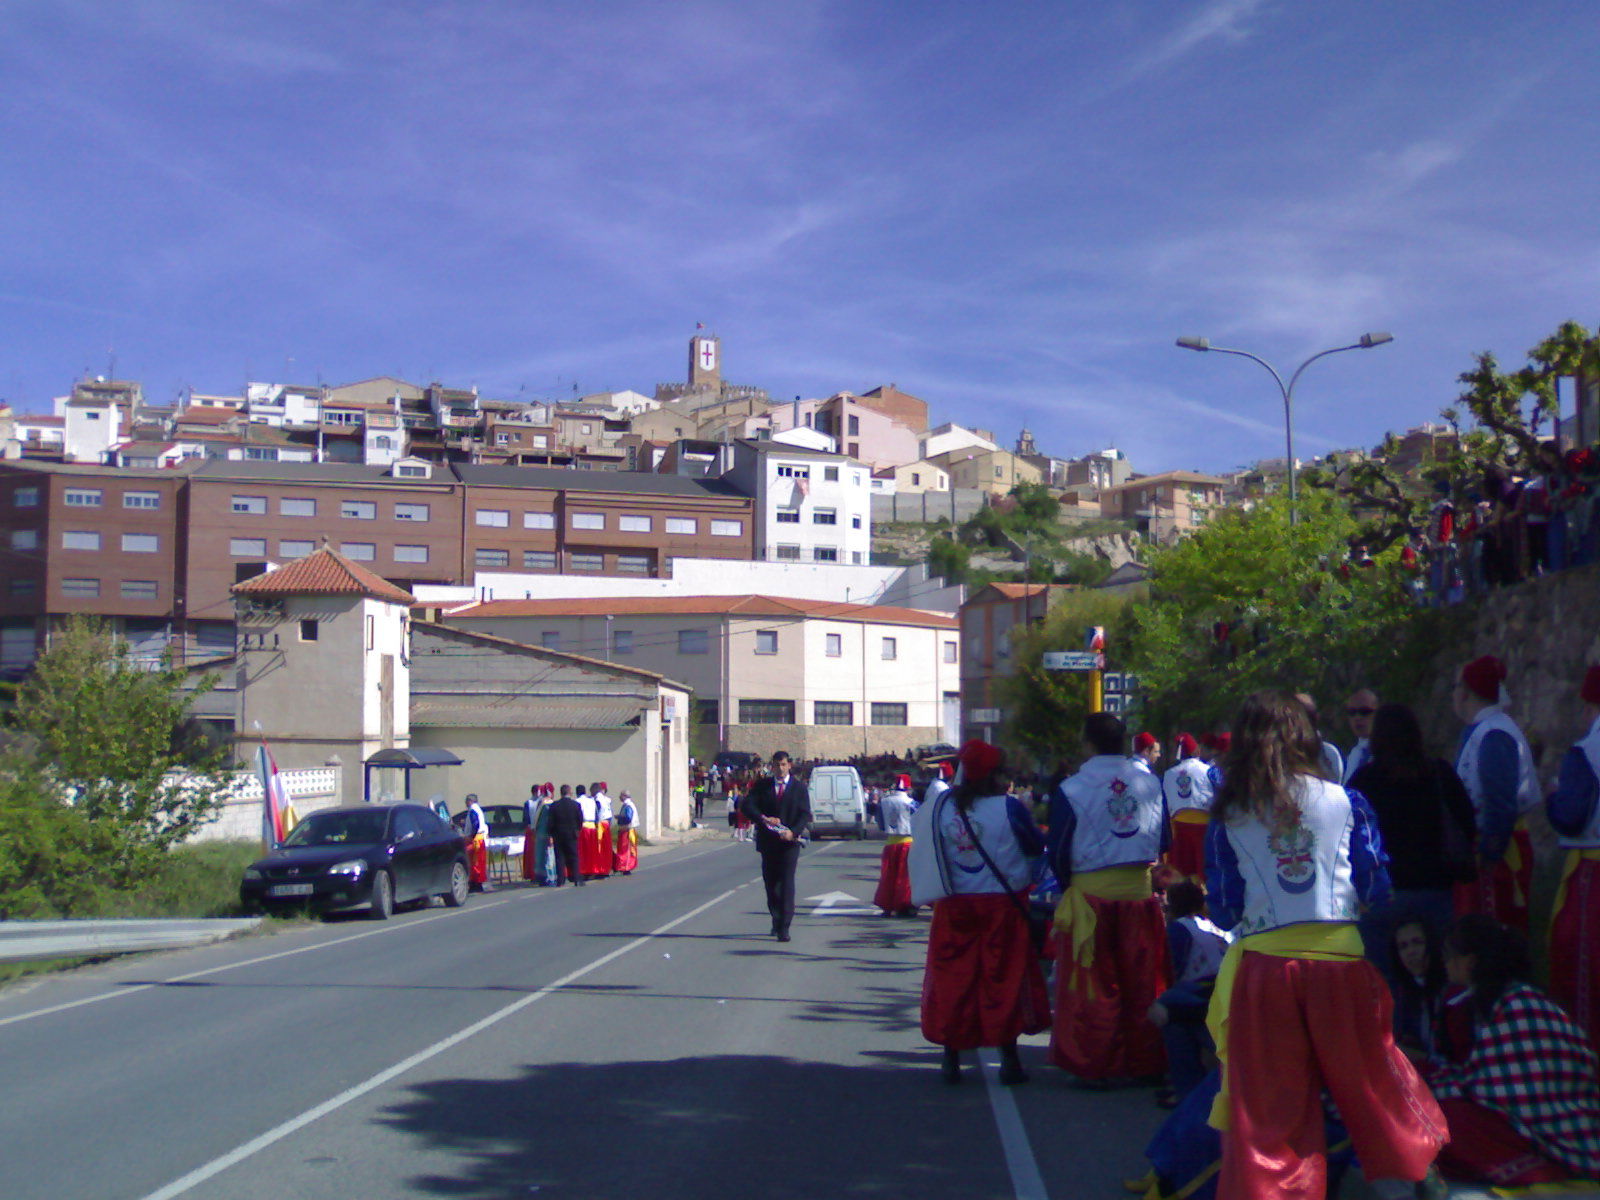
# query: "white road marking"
{"type": "Point", "coordinates": [1026, 1182]}
{"type": "Point", "coordinates": [276, 1134]}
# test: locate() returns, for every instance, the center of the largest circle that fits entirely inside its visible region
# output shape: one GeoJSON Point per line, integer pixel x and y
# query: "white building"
{"type": "Point", "coordinates": [817, 679]}
{"type": "Point", "coordinates": [282, 404]}
{"type": "Point", "coordinates": [951, 436]}
{"type": "Point", "coordinates": [809, 506]}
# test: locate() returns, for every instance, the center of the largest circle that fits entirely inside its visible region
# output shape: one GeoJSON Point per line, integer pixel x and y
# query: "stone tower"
{"type": "Point", "coordinates": [705, 362]}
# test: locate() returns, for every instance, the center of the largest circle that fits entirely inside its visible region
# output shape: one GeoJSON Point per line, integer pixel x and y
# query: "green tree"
{"type": "Point", "coordinates": [116, 737]}
{"type": "Point", "coordinates": [948, 559]}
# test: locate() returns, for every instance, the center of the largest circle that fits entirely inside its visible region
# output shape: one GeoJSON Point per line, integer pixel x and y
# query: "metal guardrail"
{"type": "Point", "coordinates": [22, 940]}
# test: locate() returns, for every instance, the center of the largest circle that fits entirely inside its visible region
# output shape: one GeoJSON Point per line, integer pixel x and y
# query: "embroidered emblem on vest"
{"type": "Point", "coordinates": [1292, 848]}
{"type": "Point", "coordinates": [1185, 787]}
{"type": "Point", "coordinates": [1124, 810]}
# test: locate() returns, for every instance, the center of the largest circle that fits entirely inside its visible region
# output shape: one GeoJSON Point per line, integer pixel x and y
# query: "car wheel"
{"type": "Point", "coordinates": [382, 896]}
{"type": "Point", "coordinates": [459, 885]}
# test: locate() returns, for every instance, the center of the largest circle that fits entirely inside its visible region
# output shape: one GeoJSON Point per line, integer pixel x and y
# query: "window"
{"type": "Point", "coordinates": [782, 551]}
{"type": "Point", "coordinates": [888, 714]}
{"type": "Point", "coordinates": [855, 522]}
{"type": "Point", "coordinates": [411, 472]}
{"type": "Point", "coordinates": [80, 587]}
{"type": "Point", "coordinates": [705, 712]}
{"type": "Point", "coordinates": [410, 512]}
{"type": "Point", "coordinates": [766, 712]}
{"type": "Point", "coordinates": [853, 429]}
{"type": "Point", "coordinates": [824, 516]}
{"type": "Point", "coordinates": [411, 554]}
{"type": "Point", "coordinates": [358, 551]}
{"type": "Point", "coordinates": [766, 641]}
{"type": "Point", "coordinates": [501, 438]}
{"type": "Point", "coordinates": [833, 712]}
{"type": "Point", "coordinates": [141, 499]}
{"type": "Point", "coordinates": [586, 428]}
{"type": "Point", "coordinates": [998, 474]}
{"type": "Point", "coordinates": [80, 539]}
{"type": "Point", "coordinates": [855, 557]}
{"type": "Point", "coordinates": [295, 548]}
{"type": "Point", "coordinates": [491, 558]}
{"type": "Point", "coordinates": [788, 516]}
{"type": "Point", "coordinates": [24, 539]}
{"type": "Point", "coordinates": [694, 641]}
{"type": "Point", "coordinates": [633, 524]}
{"type": "Point", "coordinates": [140, 589]}
{"type": "Point", "coordinates": [538, 560]}
{"type": "Point", "coordinates": [890, 649]}
{"type": "Point", "coordinates": [588, 520]}
{"type": "Point", "coordinates": [382, 442]}
{"type": "Point", "coordinates": [622, 641]}
{"type": "Point", "coordinates": [82, 498]}
{"type": "Point", "coordinates": [825, 554]}
{"type": "Point", "coordinates": [633, 564]}
{"type": "Point", "coordinates": [309, 630]}
{"type": "Point", "coordinates": [254, 505]}
{"type": "Point", "coordinates": [261, 453]}
{"type": "Point", "coordinates": [950, 652]}
{"type": "Point", "coordinates": [682, 525]}
{"type": "Point", "coordinates": [786, 471]}
{"type": "Point", "coordinates": [831, 474]}
{"type": "Point", "coordinates": [916, 479]}
{"type": "Point", "coordinates": [541, 441]}
{"type": "Point", "coordinates": [27, 497]}
{"type": "Point", "coordinates": [24, 587]}
{"type": "Point", "coordinates": [588, 562]}
{"type": "Point", "coordinates": [140, 543]}
{"type": "Point", "coordinates": [727, 528]}
{"type": "Point", "coordinates": [359, 510]}
{"type": "Point", "coordinates": [550, 639]}
{"type": "Point", "coordinates": [493, 518]}
{"type": "Point", "coordinates": [538, 520]}
{"type": "Point", "coordinates": [297, 506]}
{"type": "Point", "coordinates": [247, 547]}
{"type": "Point", "coordinates": [834, 643]}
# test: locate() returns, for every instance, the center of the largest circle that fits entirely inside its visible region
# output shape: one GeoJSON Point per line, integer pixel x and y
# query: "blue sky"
{"type": "Point", "coordinates": [1010, 210]}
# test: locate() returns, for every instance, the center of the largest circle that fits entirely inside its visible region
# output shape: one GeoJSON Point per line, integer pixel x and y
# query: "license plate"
{"type": "Point", "coordinates": [291, 889]}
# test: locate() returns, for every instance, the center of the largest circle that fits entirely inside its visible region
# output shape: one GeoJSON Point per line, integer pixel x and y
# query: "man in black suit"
{"type": "Point", "coordinates": [779, 807]}
{"type": "Point", "coordinates": [566, 820]}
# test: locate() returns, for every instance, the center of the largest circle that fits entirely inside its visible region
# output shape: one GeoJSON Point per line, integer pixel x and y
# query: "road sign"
{"type": "Point", "coordinates": [984, 716]}
{"type": "Point", "coordinates": [1113, 703]}
{"type": "Point", "coordinates": [1130, 683]}
{"type": "Point", "coordinates": [1112, 682]}
{"type": "Point", "coordinates": [1072, 660]}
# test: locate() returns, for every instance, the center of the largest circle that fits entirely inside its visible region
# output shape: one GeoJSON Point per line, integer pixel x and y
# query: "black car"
{"type": "Point", "coordinates": [736, 760]}
{"type": "Point", "coordinates": [372, 855]}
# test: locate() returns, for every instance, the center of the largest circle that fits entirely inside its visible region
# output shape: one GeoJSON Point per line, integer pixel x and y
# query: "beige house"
{"type": "Point", "coordinates": [1164, 506]}
{"type": "Point", "coordinates": [994, 471]}
{"type": "Point", "coordinates": [819, 679]}
{"type": "Point", "coordinates": [911, 479]}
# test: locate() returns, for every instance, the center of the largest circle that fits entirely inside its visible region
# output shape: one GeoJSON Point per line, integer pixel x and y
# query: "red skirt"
{"type": "Point", "coordinates": [1296, 1026]}
{"type": "Point", "coordinates": [1575, 949]}
{"type": "Point", "coordinates": [1102, 1029]}
{"type": "Point", "coordinates": [982, 985]}
{"type": "Point", "coordinates": [530, 860]}
{"type": "Point", "coordinates": [1187, 854]}
{"type": "Point", "coordinates": [478, 861]}
{"type": "Point", "coordinates": [1485, 1148]}
{"type": "Point", "coordinates": [894, 880]}
{"type": "Point", "coordinates": [1502, 891]}
{"type": "Point", "coordinates": [627, 850]}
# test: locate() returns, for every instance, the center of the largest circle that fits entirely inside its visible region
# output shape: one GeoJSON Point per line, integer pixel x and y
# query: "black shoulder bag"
{"type": "Point", "coordinates": [1037, 921]}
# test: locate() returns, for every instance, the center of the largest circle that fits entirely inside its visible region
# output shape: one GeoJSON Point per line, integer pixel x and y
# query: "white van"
{"type": "Point", "coordinates": [838, 801]}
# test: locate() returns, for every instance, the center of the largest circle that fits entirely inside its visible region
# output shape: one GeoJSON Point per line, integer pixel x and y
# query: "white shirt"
{"type": "Point", "coordinates": [602, 806]}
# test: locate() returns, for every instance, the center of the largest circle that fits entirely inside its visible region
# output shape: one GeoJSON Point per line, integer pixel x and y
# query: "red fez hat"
{"type": "Point", "coordinates": [979, 760]}
{"type": "Point", "coordinates": [903, 782]}
{"type": "Point", "coordinates": [1591, 686]}
{"type": "Point", "coordinates": [1222, 742]}
{"type": "Point", "coordinates": [1143, 742]}
{"type": "Point", "coordinates": [946, 770]}
{"type": "Point", "coordinates": [1483, 677]}
{"type": "Point", "coordinates": [1186, 746]}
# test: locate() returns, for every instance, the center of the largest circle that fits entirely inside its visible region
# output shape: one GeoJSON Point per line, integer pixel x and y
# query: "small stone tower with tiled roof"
{"type": "Point", "coordinates": [324, 663]}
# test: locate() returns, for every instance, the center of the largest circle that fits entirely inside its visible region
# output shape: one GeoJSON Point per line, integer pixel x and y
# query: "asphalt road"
{"type": "Point", "coordinates": [638, 1037]}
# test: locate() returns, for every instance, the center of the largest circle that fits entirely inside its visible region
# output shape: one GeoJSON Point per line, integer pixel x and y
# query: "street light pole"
{"type": "Point", "coordinates": [1367, 342]}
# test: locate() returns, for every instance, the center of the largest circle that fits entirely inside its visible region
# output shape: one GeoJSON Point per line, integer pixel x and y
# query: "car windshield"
{"type": "Point", "coordinates": [338, 829]}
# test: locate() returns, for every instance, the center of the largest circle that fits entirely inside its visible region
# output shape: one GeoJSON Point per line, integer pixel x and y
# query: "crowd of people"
{"type": "Point", "coordinates": [1317, 957]}
{"type": "Point", "coordinates": [570, 835]}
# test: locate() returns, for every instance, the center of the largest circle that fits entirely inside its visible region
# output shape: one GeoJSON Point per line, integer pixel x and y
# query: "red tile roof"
{"type": "Point", "coordinates": [737, 606]}
{"type": "Point", "coordinates": [323, 572]}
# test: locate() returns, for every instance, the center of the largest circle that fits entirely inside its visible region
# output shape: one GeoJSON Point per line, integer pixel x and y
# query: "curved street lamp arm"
{"type": "Point", "coordinates": [1293, 379]}
{"type": "Point", "coordinates": [1272, 370]}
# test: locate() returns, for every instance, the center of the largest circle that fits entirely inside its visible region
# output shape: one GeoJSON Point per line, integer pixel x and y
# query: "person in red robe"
{"type": "Point", "coordinates": [627, 823]}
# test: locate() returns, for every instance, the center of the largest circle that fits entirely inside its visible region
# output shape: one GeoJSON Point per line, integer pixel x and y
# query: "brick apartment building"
{"type": "Point", "coordinates": [156, 551]}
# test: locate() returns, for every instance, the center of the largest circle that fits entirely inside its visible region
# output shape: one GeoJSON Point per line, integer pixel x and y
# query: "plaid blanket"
{"type": "Point", "coordinates": [1533, 1066]}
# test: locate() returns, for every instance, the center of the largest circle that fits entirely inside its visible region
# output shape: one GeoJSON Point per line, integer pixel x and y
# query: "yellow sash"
{"type": "Point", "coordinates": [1326, 941]}
{"type": "Point", "coordinates": [1075, 915]}
{"type": "Point", "coordinates": [1191, 816]}
{"type": "Point", "coordinates": [1575, 856]}
{"type": "Point", "coordinates": [1513, 861]}
{"type": "Point", "coordinates": [897, 839]}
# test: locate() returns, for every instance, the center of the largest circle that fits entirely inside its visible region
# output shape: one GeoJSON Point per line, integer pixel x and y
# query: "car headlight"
{"type": "Point", "coordinates": [351, 866]}
{"type": "Point", "coordinates": [252, 873]}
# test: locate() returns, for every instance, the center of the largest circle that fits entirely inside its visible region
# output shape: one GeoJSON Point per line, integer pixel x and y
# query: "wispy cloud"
{"type": "Point", "coordinates": [1216, 21]}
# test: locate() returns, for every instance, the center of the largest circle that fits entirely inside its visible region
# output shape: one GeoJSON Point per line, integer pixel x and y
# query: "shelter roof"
{"type": "Point", "coordinates": [323, 572]}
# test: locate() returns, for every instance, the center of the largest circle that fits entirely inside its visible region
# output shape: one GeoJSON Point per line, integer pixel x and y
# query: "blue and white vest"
{"type": "Point", "coordinates": [1300, 873]}
{"type": "Point", "coordinates": [944, 861]}
{"type": "Point", "coordinates": [1589, 837]}
{"type": "Point", "coordinates": [1360, 756]}
{"type": "Point", "coordinates": [1118, 811]}
{"type": "Point", "coordinates": [1494, 718]}
{"type": "Point", "coordinates": [1207, 945]}
{"type": "Point", "coordinates": [1187, 785]}
{"type": "Point", "coordinates": [896, 810]}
